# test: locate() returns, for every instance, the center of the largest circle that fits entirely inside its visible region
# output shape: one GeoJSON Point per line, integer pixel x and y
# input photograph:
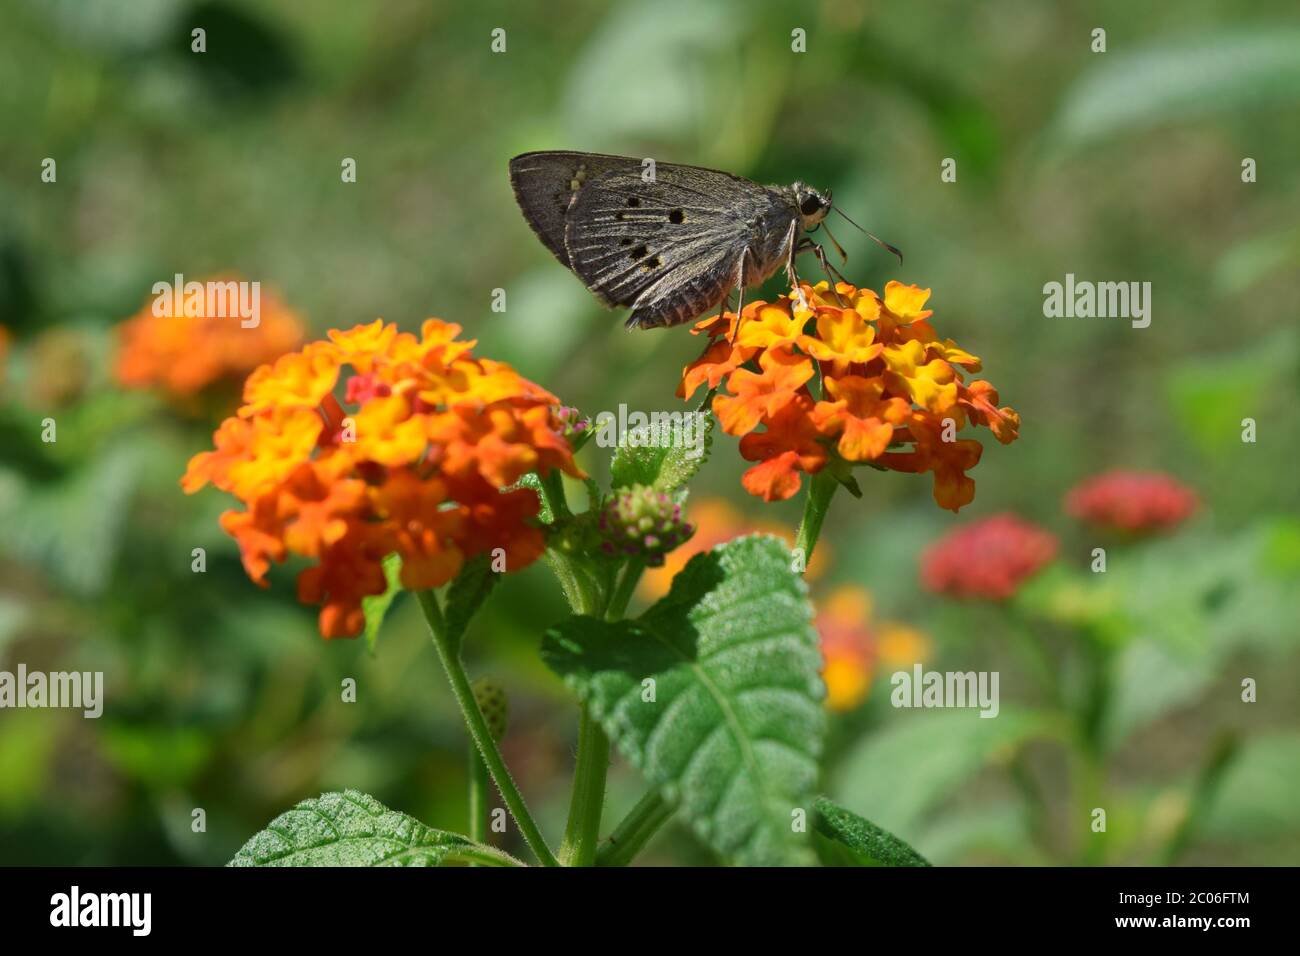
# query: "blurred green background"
{"type": "Point", "coordinates": [1123, 165]}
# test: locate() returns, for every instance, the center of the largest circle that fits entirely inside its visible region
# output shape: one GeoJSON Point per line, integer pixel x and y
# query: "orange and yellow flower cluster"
{"type": "Point", "coordinates": [416, 453]}
{"type": "Point", "coordinates": [183, 355]}
{"type": "Point", "coordinates": [893, 394]}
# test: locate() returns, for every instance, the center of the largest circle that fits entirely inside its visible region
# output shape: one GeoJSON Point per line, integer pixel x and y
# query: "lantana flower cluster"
{"type": "Point", "coordinates": [988, 559]}
{"type": "Point", "coordinates": [416, 453]}
{"type": "Point", "coordinates": [1132, 502]}
{"type": "Point", "coordinates": [182, 355]}
{"type": "Point", "coordinates": [892, 393]}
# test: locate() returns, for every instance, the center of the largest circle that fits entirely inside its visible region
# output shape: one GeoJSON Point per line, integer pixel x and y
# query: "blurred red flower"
{"type": "Point", "coordinates": [987, 559]}
{"type": "Point", "coordinates": [1132, 501]}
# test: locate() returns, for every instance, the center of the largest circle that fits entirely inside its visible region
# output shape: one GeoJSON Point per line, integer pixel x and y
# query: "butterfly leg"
{"type": "Point", "coordinates": [807, 245]}
{"type": "Point", "coordinates": [794, 247]}
{"type": "Point", "coordinates": [740, 295]}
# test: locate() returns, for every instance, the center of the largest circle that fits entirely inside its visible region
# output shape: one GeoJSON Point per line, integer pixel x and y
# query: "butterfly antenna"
{"type": "Point", "coordinates": [874, 238]}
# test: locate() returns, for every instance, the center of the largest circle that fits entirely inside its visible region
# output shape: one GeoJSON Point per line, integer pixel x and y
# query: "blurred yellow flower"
{"type": "Point", "coordinates": [854, 647]}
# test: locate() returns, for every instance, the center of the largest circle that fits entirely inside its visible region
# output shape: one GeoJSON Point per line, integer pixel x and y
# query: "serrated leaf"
{"type": "Point", "coordinates": [664, 456]}
{"type": "Point", "coordinates": [734, 727]}
{"type": "Point", "coordinates": [843, 838]}
{"type": "Point", "coordinates": [354, 829]}
{"type": "Point", "coordinates": [375, 607]}
{"type": "Point", "coordinates": [467, 593]}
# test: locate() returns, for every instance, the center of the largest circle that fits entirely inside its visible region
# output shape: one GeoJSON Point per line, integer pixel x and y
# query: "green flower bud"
{"type": "Point", "coordinates": [491, 699]}
{"type": "Point", "coordinates": [643, 523]}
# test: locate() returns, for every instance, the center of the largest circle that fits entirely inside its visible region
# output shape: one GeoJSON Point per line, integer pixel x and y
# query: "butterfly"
{"type": "Point", "coordinates": [668, 242]}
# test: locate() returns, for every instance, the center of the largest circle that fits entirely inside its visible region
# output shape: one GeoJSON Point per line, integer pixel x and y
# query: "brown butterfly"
{"type": "Point", "coordinates": [669, 242]}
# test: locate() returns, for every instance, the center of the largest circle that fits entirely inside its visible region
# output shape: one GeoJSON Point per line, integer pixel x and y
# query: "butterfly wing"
{"type": "Point", "coordinates": [671, 248]}
{"type": "Point", "coordinates": [546, 182]}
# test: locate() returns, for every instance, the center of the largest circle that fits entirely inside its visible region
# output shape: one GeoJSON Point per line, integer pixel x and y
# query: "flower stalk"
{"type": "Point", "coordinates": [582, 832]}
{"type": "Point", "coordinates": [820, 491]}
{"type": "Point", "coordinates": [479, 731]}
{"type": "Point", "coordinates": [635, 830]}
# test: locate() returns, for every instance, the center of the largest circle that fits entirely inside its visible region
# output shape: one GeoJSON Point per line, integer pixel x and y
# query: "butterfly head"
{"type": "Point", "coordinates": [813, 205]}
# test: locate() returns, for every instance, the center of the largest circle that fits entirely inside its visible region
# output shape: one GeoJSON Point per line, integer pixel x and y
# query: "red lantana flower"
{"type": "Point", "coordinates": [1132, 501]}
{"type": "Point", "coordinates": [988, 559]}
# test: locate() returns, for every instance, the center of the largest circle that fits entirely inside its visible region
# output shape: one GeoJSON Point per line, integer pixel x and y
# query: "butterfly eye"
{"type": "Point", "coordinates": [810, 205]}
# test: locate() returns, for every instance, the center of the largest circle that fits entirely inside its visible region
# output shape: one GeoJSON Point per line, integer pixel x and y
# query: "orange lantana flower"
{"type": "Point", "coordinates": [185, 355]}
{"type": "Point", "coordinates": [892, 393]}
{"type": "Point", "coordinates": [761, 396]}
{"type": "Point", "coordinates": [415, 457]}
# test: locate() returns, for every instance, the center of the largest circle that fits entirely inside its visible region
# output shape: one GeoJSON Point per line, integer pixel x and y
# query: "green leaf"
{"type": "Point", "coordinates": [664, 456]}
{"type": "Point", "coordinates": [467, 593]}
{"type": "Point", "coordinates": [355, 829]}
{"type": "Point", "coordinates": [1149, 679]}
{"type": "Point", "coordinates": [375, 607]}
{"type": "Point", "coordinates": [1255, 799]}
{"type": "Point", "coordinates": [845, 839]}
{"type": "Point", "coordinates": [734, 726]}
{"type": "Point", "coordinates": [1180, 79]}
{"type": "Point", "coordinates": [901, 773]}
{"type": "Point", "coordinates": [73, 526]}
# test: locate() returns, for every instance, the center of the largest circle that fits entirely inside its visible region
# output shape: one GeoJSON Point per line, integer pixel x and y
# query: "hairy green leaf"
{"type": "Point", "coordinates": [714, 694]}
{"type": "Point", "coordinates": [354, 829]}
{"type": "Point", "coordinates": [845, 839]}
{"type": "Point", "coordinates": [533, 481]}
{"type": "Point", "coordinates": [664, 455]}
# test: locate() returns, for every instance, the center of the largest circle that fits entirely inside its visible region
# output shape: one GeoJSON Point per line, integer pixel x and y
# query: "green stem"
{"type": "Point", "coordinates": [582, 832]}
{"type": "Point", "coordinates": [553, 496]}
{"type": "Point", "coordinates": [634, 832]}
{"type": "Point", "coordinates": [1202, 797]}
{"type": "Point", "coordinates": [1032, 795]}
{"type": "Point", "coordinates": [626, 587]}
{"type": "Point", "coordinates": [478, 796]}
{"type": "Point", "coordinates": [1034, 653]}
{"type": "Point", "coordinates": [820, 491]}
{"type": "Point", "coordinates": [579, 590]}
{"type": "Point", "coordinates": [478, 729]}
